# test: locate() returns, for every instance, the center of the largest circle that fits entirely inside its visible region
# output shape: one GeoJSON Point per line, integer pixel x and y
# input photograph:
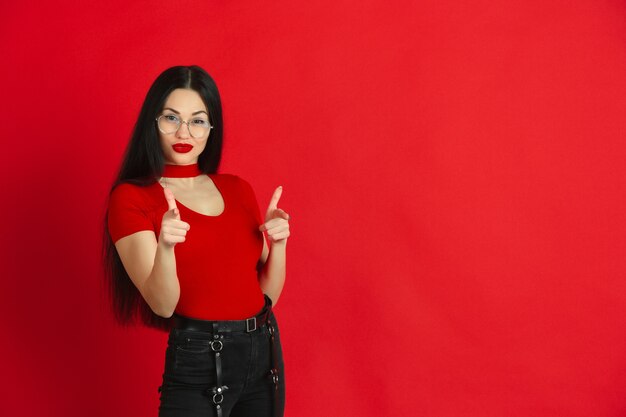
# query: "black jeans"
{"type": "Point", "coordinates": [246, 360]}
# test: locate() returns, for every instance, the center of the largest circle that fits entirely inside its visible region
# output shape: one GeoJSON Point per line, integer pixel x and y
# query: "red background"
{"type": "Point", "coordinates": [454, 172]}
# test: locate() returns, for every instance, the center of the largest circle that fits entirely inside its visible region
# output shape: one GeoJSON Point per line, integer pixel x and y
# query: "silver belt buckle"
{"type": "Point", "coordinates": [251, 327]}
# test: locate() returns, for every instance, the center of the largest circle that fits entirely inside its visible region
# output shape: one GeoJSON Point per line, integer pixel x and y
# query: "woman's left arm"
{"type": "Point", "coordinates": [274, 259]}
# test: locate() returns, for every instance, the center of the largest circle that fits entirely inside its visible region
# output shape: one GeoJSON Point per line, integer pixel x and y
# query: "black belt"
{"type": "Point", "coordinates": [248, 325]}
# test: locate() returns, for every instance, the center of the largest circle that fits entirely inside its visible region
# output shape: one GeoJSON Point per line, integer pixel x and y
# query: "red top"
{"type": "Point", "coordinates": [216, 264]}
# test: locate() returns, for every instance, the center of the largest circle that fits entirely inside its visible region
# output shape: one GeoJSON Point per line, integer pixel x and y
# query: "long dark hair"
{"type": "Point", "coordinates": [142, 165]}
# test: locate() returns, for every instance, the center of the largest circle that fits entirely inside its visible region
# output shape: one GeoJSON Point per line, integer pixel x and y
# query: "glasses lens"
{"type": "Point", "coordinates": [198, 127]}
{"type": "Point", "coordinates": [168, 123]}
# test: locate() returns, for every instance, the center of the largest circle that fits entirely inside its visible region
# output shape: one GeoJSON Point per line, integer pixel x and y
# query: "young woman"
{"type": "Point", "coordinates": [184, 250]}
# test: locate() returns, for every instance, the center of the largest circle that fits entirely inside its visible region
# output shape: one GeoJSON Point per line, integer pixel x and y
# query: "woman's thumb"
{"type": "Point", "coordinates": [172, 213]}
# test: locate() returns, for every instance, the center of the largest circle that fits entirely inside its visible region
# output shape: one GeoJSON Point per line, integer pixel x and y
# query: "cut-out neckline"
{"type": "Point", "coordinates": [179, 204]}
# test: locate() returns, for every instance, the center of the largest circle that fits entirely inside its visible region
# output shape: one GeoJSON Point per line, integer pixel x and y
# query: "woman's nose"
{"type": "Point", "coordinates": [183, 131]}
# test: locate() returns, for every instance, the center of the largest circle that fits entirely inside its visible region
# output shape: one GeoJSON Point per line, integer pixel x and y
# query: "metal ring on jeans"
{"type": "Point", "coordinates": [215, 346]}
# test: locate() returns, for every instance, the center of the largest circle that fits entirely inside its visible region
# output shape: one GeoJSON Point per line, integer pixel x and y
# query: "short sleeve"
{"type": "Point", "coordinates": [127, 212]}
{"type": "Point", "coordinates": [250, 199]}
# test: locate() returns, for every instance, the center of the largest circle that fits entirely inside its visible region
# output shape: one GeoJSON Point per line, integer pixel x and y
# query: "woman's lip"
{"type": "Point", "coordinates": [182, 147]}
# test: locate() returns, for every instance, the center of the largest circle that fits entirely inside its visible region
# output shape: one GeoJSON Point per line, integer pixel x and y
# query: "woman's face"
{"type": "Point", "coordinates": [179, 147]}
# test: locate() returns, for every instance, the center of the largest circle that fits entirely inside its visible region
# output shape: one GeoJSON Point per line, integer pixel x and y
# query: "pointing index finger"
{"type": "Point", "coordinates": [274, 201]}
{"type": "Point", "coordinates": [169, 196]}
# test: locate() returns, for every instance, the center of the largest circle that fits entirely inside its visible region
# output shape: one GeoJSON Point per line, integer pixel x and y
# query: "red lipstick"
{"type": "Point", "coordinates": [182, 147]}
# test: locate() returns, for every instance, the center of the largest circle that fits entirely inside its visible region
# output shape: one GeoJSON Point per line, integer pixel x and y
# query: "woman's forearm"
{"type": "Point", "coordinates": [162, 289]}
{"type": "Point", "coordinates": [272, 275]}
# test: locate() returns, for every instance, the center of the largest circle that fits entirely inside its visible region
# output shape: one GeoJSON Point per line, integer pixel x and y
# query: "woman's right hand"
{"type": "Point", "coordinates": [173, 229]}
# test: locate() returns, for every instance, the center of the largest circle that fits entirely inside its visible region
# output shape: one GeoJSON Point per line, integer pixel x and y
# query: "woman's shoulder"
{"type": "Point", "coordinates": [239, 187]}
{"type": "Point", "coordinates": [129, 190]}
{"type": "Point", "coordinates": [242, 191]}
{"type": "Point", "coordinates": [134, 193]}
{"type": "Point", "coordinates": [131, 209]}
{"type": "Point", "coordinates": [231, 179]}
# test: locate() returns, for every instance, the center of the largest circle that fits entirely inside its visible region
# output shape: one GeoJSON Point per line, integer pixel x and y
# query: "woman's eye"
{"type": "Point", "coordinates": [200, 122]}
{"type": "Point", "coordinates": [171, 118]}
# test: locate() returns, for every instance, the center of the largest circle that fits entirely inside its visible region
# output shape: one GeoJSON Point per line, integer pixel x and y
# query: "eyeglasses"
{"type": "Point", "coordinates": [170, 123]}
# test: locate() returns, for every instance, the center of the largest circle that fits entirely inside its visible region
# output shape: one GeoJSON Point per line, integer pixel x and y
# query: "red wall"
{"type": "Point", "coordinates": [454, 172]}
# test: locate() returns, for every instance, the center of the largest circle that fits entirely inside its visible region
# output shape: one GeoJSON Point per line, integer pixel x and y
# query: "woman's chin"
{"type": "Point", "coordinates": [181, 159]}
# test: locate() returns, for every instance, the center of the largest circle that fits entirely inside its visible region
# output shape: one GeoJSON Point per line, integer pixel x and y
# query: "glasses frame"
{"type": "Point", "coordinates": [180, 123]}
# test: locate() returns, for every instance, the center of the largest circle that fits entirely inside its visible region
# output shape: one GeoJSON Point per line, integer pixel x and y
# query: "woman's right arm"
{"type": "Point", "coordinates": [151, 265]}
{"type": "Point", "coordinates": [149, 262]}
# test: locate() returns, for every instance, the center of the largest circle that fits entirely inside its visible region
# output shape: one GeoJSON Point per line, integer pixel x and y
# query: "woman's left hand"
{"type": "Point", "coordinates": [276, 220]}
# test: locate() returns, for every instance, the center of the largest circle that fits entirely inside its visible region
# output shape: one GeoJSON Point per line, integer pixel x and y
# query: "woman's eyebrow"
{"type": "Point", "coordinates": [193, 114]}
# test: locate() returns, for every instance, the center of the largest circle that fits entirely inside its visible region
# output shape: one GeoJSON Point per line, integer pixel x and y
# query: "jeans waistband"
{"type": "Point", "coordinates": [214, 326]}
